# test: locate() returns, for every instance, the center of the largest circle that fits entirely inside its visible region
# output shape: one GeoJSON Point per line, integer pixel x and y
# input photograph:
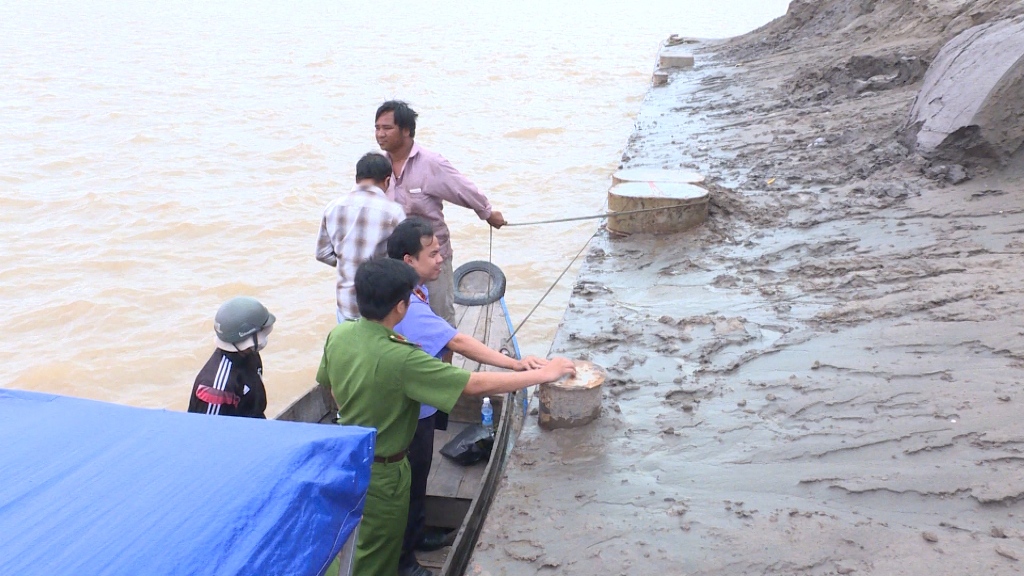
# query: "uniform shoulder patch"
{"type": "Point", "coordinates": [402, 340]}
{"type": "Point", "coordinates": [421, 295]}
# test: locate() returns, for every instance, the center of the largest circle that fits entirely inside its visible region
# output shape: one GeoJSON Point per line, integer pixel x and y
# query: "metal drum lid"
{"type": "Point", "coordinates": [660, 190]}
{"type": "Point", "coordinates": [657, 175]}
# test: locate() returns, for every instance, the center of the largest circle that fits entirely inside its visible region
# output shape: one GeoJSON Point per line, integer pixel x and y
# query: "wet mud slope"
{"type": "Point", "coordinates": [825, 378]}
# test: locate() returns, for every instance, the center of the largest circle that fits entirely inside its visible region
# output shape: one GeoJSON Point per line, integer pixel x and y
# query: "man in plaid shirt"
{"type": "Point", "coordinates": [355, 228]}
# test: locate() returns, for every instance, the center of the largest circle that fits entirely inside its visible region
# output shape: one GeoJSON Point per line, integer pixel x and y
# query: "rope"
{"type": "Point", "coordinates": [553, 284]}
{"type": "Point", "coordinates": [595, 216]}
{"type": "Point", "coordinates": [574, 258]}
{"type": "Point", "coordinates": [490, 250]}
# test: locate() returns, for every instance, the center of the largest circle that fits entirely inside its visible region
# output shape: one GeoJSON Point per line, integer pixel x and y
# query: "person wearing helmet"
{"type": "Point", "coordinates": [231, 382]}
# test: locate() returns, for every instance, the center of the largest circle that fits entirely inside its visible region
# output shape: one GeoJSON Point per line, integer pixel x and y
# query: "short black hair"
{"type": "Point", "coordinates": [407, 237]}
{"type": "Point", "coordinates": [373, 165]}
{"type": "Point", "coordinates": [381, 284]}
{"type": "Point", "coordinates": [405, 117]}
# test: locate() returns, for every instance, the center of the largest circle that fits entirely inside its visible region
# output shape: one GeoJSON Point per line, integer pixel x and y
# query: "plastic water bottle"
{"type": "Point", "coordinates": [487, 415]}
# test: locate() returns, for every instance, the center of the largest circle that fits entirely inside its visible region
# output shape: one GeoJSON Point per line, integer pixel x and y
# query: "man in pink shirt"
{"type": "Point", "coordinates": [422, 180]}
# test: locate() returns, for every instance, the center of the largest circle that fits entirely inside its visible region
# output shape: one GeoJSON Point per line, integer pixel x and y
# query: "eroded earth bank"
{"type": "Point", "coordinates": [825, 378]}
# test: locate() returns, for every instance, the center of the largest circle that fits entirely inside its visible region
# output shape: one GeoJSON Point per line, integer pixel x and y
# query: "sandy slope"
{"type": "Point", "coordinates": [826, 377]}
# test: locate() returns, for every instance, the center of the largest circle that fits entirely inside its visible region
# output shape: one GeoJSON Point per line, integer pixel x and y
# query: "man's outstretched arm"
{"type": "Point", "coordinates": [481, 383]}
{"type": "Point", "coordinates": [477, 351]}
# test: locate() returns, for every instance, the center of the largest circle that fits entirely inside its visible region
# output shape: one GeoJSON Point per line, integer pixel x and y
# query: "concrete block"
{"type": "Point", "coordinates": [660, 78]}
{"type": "Point", "coordinates": [669, 207]}
{"type": "Point", "coordinates": [572, 401]}
{"type": "Point", "coordinates": [675, 60]}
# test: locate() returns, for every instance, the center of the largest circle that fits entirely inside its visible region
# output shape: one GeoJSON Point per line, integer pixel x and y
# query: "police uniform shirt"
{"type": "Point", "coordinates": [426, 329]}
{"type": "Point", "coordinates": [230, 384]}
{"type": "Point", "coordinates": [379, 379]}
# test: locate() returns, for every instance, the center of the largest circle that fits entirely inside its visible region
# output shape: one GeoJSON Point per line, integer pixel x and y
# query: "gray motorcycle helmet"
{"type": "Point", "coordinates": [240, 318]}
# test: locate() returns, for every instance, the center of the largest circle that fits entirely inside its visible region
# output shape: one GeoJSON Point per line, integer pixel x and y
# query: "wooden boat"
{"type": "Point", "coordinates": [458, 497]}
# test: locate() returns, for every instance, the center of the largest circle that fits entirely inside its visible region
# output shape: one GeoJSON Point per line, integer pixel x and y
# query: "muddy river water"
{"type": "Point", "coordinates": [159, 158]}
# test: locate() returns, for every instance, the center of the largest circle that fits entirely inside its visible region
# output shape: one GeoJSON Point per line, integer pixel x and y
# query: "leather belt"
{"type": "Point", "coordinates": [390, 459]}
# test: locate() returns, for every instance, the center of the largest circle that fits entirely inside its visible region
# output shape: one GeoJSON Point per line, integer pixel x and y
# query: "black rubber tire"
{"type": "Point", "coordinates": [497, 283]}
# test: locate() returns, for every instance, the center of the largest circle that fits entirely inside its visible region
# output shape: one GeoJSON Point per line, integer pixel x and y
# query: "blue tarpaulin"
{"type": "Point", "coordinates": [90, 488]}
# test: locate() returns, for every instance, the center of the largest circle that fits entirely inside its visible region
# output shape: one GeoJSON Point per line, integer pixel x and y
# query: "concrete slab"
{"type": "Point", "coordinates": [657, 175]}
{"type": "Point", "coordinates": [675, 54]}
{"type": "Point", "coordinates": [970, 103]}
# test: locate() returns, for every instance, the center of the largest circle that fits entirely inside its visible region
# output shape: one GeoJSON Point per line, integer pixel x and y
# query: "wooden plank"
{"type": "Point", "coordinates": [446, 475]}
{"type": "Point", "coordinates": [457, 560]}
{"type": "Point", "coordinates": [460, 312]}
{"type": "Point", "coordinates": [471, 478]}
{"type": "Point", "coordinates": [465, 508]}
{"type": "Point", "coordinates": [446, 480]}
{"type": "Point", "coordinates": [498, 336]}
{"type": "Point", "coordinates": [441, 437]}
{"type": "Point", "coordinates": [487, 324]}
{"type": "Point", "coordinates": [468, 322]}
{"type": "Point", "coordinates": [467, 409]}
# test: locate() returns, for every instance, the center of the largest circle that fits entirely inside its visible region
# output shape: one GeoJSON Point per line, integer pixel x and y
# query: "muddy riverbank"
{"type": "Point", "coordinates": [825, 378]}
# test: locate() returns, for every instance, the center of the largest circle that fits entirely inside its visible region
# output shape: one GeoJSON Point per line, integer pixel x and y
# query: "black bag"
{"type": "Point", "coordinates": [470, 446]}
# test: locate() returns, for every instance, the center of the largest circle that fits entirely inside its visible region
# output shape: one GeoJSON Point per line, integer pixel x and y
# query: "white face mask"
{"type": "Point", "coordinates": [261, 342]}
{"type": "Point", "coordinates": [262, 336]}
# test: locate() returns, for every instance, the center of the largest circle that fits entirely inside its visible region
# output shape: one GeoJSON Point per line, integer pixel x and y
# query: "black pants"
{"type": "Point", "coordinates": [421, 454]}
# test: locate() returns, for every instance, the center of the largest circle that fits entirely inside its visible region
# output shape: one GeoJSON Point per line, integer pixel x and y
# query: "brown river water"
{"type": "Point", "coordinates": [156, 160]}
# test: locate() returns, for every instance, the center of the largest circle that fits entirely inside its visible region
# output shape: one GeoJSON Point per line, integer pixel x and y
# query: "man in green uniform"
{"type": "Point", "coordinates": [379, 379]}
